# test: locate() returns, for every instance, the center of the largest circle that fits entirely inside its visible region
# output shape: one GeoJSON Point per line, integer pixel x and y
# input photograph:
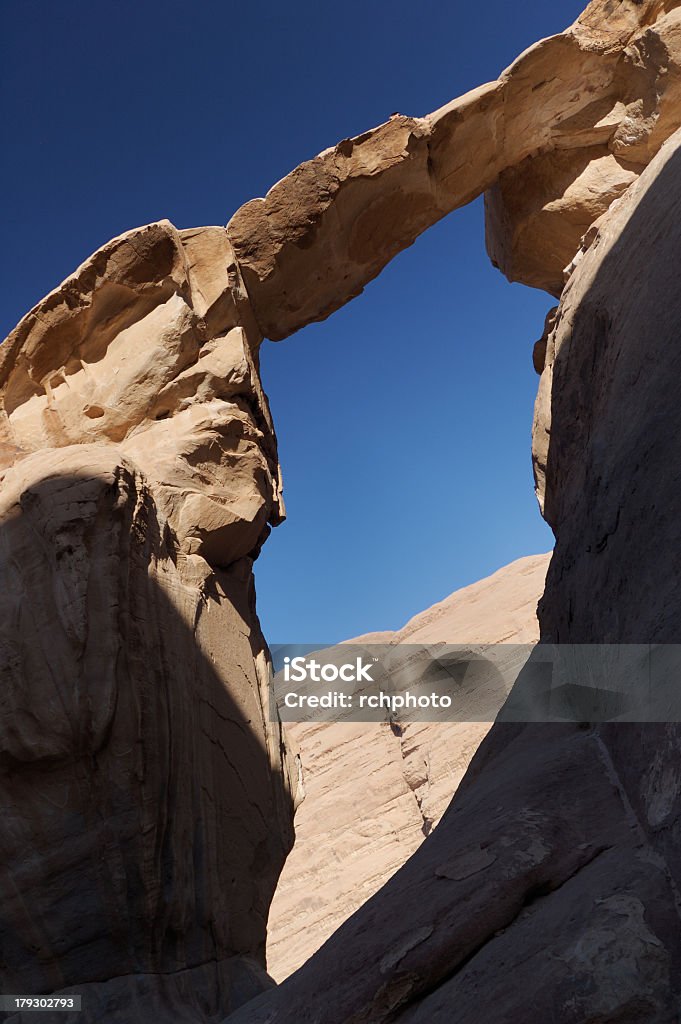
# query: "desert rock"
{"type": "Point", "coordinates": [561, 134]}
{"type": "Point", "coordinates": [608, 392]}
{"type": "Point", "coordinates": [139, 476]}
{"type": "Point", "coordinates": [373, 792]}
{"type": "Point", "coordinates": [549, 889]}
{"type": "Point", "coordinates": [146, 794]}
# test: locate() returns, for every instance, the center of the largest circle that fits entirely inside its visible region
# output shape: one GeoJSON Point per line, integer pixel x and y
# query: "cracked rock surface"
{"type": "Point", "coordinates": [147, 803]}
{"type": "Point", "coordinates": [373, 791]}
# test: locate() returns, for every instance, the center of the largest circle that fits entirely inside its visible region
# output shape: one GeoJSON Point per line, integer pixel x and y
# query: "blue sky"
{"type": "Point", "coordinates": [404, 420]}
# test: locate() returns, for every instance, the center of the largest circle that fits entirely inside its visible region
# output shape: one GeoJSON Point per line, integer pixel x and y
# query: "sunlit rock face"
{"type": "Point", "coordinates": [374, 791]}
{"type": "Point", "coordinates": [548, 891]}
{"type": "Point", "coordinates": [146, 802]}
{"type": "Point", "coordinates": [540, 207]}
{"type": "Point", "coordinates": [553, 142]}
{"type": "Point", "coordinates": [147, 805]}
{"type": "Point", "coordinates": [150, 345]}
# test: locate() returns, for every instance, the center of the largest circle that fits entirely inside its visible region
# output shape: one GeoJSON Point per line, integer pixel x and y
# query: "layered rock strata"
{"type": "Point", "coordinates": [374, 791]}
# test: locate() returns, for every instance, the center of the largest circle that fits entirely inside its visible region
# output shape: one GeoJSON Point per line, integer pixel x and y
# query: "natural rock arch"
{"type": "Point", "coordinates": [144, 365]}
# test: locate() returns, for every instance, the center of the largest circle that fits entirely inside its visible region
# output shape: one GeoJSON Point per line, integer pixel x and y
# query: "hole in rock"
{"type": "Point", "coordinates": [404, 425]}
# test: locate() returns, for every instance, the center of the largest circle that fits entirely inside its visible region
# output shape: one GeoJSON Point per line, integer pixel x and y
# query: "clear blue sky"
{"type": "Point", "coordinates": [404, 420]}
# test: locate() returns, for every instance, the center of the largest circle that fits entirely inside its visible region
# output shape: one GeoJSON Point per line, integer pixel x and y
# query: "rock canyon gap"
{"type": "Point", "coordinates": [147, 798]}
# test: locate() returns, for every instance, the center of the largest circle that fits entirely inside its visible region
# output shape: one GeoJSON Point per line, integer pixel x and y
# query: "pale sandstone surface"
{"type": "Point", "coordinates": [146, 801]}
{"type": "Point", "coordinates": [499, 609]}
{"type": "Point", "coordinates": [147, 346]}
{"type": "Point", "coordinates": [549, 890]}
{"type": "Point", "coordinates": [372, 791]}
{"type": "Point", "coordinates": [517, 907]}
{"type": "Point", "coordinates": [553, 141]}
{"type": "Point", "coordinates": [608, 392]}
{"type": "Point", "coordinates": [146, 795]}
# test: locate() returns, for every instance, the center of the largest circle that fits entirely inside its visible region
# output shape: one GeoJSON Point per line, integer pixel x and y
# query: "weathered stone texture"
{"type": "Point", "coordinates": [549, 890]}
{"type": "Point", "coordinates": [373, 792]}
{"type": "Point", "coordinates": [561, 134]}
{"type": "Point", "coordinates": [146, 802]}
{"type": "Point", "coordinates": [605, 441]}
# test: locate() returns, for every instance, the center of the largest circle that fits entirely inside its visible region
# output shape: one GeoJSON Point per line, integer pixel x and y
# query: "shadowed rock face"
{"type": "Point", "coordinates": [405, 777]}
{"type": "Point", "coordinates": [146, 801]}
{"type": "Point", "coordinates": [145, 794]}
{"type": "Point", "coordinates": [549, 890]}
{"type": "Point", "coordinates": [605, 438]}
{"type": "Point", "coordinates": [561, 134]}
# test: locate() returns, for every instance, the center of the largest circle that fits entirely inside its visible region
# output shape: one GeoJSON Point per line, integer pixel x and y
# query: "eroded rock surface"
{"type": "Point", "coordinates": [562, 133]}
{"type": "Point", "coordinates": [549, 890]}
{"type": "Point", "coordinates": [146, 802]}
{"type": "Point", "coordinates": [373, 792]}
{"type": "Point", "coordinates": [147, 805]}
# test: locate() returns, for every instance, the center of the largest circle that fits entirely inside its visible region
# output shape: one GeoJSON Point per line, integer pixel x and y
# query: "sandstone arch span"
{"type": "Point", "coordinates": [148, 355]}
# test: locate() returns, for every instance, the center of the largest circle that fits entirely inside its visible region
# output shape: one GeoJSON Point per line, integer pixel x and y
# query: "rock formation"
{"type": "Point", "coordinates": [145, 797]}
{"type": "Point", "coordinates": [147, 804]}
{"type": "Point", "coordinates": [562, 133]}
{"type": "Point", "coordinates": [372, 792]}
{"type": "Point", "coordinates": [549, 890]}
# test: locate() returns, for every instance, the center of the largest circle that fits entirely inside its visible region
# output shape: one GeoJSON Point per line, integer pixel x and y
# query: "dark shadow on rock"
{"type": "Point", "coordinates": [144, 819]}
{"type": "Point", "coordinates": [549, 890]}
{"type": "Point", "coordinates": [613, 488]}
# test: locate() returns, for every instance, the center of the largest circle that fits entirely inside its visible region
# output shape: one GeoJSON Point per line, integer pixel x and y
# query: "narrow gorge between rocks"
{"type": "Point", "coordinates": [148, 797]}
